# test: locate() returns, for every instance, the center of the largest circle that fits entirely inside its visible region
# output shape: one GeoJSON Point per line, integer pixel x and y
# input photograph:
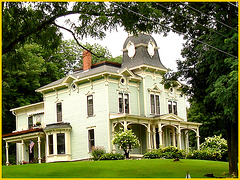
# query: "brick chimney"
{"type": "Point", "coordinates": [87, 60]}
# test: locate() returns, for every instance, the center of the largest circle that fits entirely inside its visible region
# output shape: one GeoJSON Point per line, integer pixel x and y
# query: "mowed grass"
{"type": "Point", "coordinates": [146, 168]}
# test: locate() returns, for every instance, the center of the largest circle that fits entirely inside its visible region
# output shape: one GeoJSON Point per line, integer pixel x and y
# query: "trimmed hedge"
{"type": "Point", "coordinates": [111, 156]}
{"type": "Point", "coordinates": [167, 153]}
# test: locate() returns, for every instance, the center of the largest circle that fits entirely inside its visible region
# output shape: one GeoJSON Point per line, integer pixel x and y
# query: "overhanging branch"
{"type": "Point", "coordinates": [76, 39]}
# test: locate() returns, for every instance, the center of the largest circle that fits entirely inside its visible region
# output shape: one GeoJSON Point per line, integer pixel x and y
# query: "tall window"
{"type": "Point", "coordinates": [30, 122]}
{"type": "Point", "coordinates": [123, 103]}
{"type": "Point", "coordinates": [90, 105]}
{"type": "Point", "coordinates": [59, 112]}
{"type": "Point", "coordinates": [91, 142]}
{"type": "Point", "coordinates": [50, 144]}
{"type": "Point", "coordinates": [61, 143]}
{"type": "Point", "coordinates": [172, 107]}
{"type": "Point", "coordinates": [175, 107]}
{"type": "Point", "coordinates": [155, 104]}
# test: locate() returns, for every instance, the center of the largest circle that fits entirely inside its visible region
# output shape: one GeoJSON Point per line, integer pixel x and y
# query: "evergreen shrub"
{"type": "Point", "coordinates": [167, 153]}
{"type": "Point", "coordinates": [111, 156]}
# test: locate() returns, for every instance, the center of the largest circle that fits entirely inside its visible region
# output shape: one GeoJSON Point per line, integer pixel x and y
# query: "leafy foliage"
{"type": "Point", "coordinates": [216, 142]}
{"type": "Point", "coordinates": [112, 156]}
{"type": "Point", "coordinates": [97, 152]}
{"type": "Point", "coordinates": [167, 153]}
{"type": "Point", "coordinates": [126, 140]}
{"type": "Point", "coordinates": [213, 148]}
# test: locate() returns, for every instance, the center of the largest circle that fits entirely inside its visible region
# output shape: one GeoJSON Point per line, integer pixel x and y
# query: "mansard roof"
{"type": "Point", "coordinates": [141, 57]}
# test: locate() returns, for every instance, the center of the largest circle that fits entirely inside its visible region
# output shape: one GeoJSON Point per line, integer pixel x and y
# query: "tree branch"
{"type": "Point", "coordinates": [76, 39]}
{"type": "Point", "coordinates": [40, 27]}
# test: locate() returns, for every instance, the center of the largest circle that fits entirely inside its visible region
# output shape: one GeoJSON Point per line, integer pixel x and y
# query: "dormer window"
{"type": "Point", "coordinates": [131, 49]}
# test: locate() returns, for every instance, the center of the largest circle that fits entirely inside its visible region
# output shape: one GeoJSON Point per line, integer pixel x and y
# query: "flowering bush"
{"type": "Point", "coordinates": [215, 142]}
{"type": "Point", "coordinates": [213, 148]}
{"type": "Point", "coordinates": [97, 152]}
{"type": "Point", "coordinates": [126, 140]}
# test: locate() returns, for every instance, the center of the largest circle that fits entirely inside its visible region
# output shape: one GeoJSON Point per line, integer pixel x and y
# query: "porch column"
{"type": "Point", "coordinates": [7, 160]}
{"type": "Point", "coordinates": [22, 150]}
{"type": "Point", "coordinates": [39, 149]}
{"type": "Point", "coordinates": [125, 125]}
{"type": "Point", "coordinates": [174, 136]}
{"type": "Point", "coordinates": [154, 137]}
{"type": "Point", "coordinates": [149, 138]}
{"type": "Point", "coordinates": [113, 146]}
{"type": "Point", "coordinates": [186, 140]}
{"type": "Point", "coordinates": [179, 138]}
{"type": "Point", "coordinates": [160, 133]}
{"type": "Point", "coordinates": [198, 139]}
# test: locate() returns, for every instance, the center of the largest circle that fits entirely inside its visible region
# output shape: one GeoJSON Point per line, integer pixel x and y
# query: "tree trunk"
{"type": "Point", "coordinates": [126, 153]}
{"type": "Point", "coordinates": [232, 141]}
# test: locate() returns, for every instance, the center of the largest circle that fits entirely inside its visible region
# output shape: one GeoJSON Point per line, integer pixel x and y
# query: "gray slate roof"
{"type": "Point", "coordinates": [82, 74]}
{"type": "Point", "coordinates": [57, 125]}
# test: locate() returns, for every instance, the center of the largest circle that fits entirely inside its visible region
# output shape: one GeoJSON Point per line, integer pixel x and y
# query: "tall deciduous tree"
{"type": "Point", "coordinates": [210, 67]}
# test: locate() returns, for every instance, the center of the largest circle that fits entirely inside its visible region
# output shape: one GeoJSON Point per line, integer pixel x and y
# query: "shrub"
{"type": "Point", "coordinates": [213, 148]}
{"type": "Point", "coordinates": [208, 154]}
{"type": "Point", "coordinates": [215, 142]}
{"type": "Point", "coordinates": [154, 154]}
{"type": "Point", "coordinates": [168, 153]}
{"type": "Point", "coordinates": [97, 152]}
{"type": "Point", "coordinates": [111, 156]}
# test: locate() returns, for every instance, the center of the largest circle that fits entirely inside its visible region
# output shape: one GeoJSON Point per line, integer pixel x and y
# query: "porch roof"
{"type": "Point", "coordinates": [23, 135]}
{"type": "Point", "coordinates": [166, 118]}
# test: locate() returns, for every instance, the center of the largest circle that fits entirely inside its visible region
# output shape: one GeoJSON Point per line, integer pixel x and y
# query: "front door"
{"type": "Point", "coordinates": [31, 155]}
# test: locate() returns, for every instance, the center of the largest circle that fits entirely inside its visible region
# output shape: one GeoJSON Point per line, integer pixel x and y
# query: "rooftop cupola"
{"type": "Point", "coordinates": [139, 50]}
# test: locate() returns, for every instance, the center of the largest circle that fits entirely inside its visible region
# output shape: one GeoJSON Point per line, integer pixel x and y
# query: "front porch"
{"type": "Point", "coordinates": [155, 132]}
{"type": "Point", "coordinates": [23, 139]}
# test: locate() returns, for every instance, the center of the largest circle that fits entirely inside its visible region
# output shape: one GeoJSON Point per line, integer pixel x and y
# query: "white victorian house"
{"type": "Point", "coordinates": [85, 108]}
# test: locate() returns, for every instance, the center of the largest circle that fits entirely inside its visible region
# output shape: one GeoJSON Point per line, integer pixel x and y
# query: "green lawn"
{"type": "Point", "coordinates": [155, 168]}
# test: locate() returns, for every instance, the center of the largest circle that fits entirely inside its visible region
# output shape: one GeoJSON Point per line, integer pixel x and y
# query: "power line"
{"type": "Point", "coordinates": [196, 22]}
{"type": "Point", "coordinates": [211, 18]}
{"type": "Point", "coordinates": [233, 4]}
{"type": "Point", "coordinates": [174, 30]}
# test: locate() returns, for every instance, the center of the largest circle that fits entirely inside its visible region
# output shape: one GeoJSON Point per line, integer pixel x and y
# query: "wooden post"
{"type": "Point", "coordinates": [174, 137]}
{"type": "Point", "coordinates": [160, 133]}
{"type": "Point", "coordinates": [149, 138]}
{"type": "Point", "coordinates": [154, 137]}
{"type": "Point", "coordinates": [7, 160]}
{"type": "Point", "coordinates": [198, 139]}
{"type": "Point", "coordinates": [22, 150]}
{"type": "Point", "coordinates": [39, 150]}
{"type": "Point", "coordinates": [179, 138]}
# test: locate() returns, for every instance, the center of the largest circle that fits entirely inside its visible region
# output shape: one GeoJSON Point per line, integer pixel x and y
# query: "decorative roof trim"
{"type": "Point", "coordinates": [127, 70]}
{"type": "Point", "coordinates": [148, 66]}
{"type": "Point", "coordinates": [28, 106]}
{"type": "Point", "coordinates": [68, 77]}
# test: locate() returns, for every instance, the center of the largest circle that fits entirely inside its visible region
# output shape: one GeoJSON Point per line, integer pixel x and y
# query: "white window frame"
{"type": "Point", "coordinates": [172, 107]}
{"type": "Point", "coordinates": [123, 102]}
{"type": "Point", "coordinates": [155, 104]}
